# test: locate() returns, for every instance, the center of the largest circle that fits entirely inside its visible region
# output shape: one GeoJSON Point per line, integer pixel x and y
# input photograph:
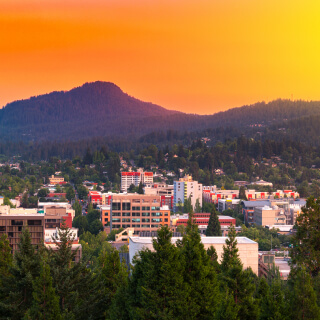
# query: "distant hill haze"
{"type": "Point", "coordinates": [103, 109]}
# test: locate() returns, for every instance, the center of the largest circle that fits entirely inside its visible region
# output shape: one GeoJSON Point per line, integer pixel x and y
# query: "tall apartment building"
{"type": "Point", "coordinates": [129, 178]}
{"type": "Point", "coordinates": [185, 188]}
{"type": "Point", "coordinates": [141, 212]}
{"type": "Point", "coordinates": [13, 224]}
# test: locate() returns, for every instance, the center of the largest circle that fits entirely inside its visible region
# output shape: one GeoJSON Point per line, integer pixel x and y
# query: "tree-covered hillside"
{"type": "Point", "coordinates": [101, 109]}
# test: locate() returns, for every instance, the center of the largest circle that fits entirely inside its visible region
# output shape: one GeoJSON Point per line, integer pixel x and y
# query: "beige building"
{"type": "Point", "coordinates": [13, 224]}
{"type": "Point", "coordinates": [248, 249]}
{"type": "Point", "coordinates": [141, 212]}
{"type": "Point", "coordinates": [55, 179]}
{"type": "Point", "coordinates": [267, 216]}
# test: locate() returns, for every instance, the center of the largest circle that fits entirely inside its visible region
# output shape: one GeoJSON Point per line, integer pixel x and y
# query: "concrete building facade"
{"type": "Point", "coordinates": [248, 249]}
{"type": "Point", "coordinates": [129, 178]}
{"type": "Point", "coordinates": [141, 212]}
{"type": "Point", "coordinates": [184, 189]}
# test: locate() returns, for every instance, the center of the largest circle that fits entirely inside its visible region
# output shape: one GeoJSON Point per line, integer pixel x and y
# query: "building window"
{"type": "Point", "coordinates": [116, 206]}
{"type": "Point", "coordinates": [17, 222]}
{"type": "Point", "coordinates": [34, 223]}
{"type": "Point", "coordinates": [145, 214]}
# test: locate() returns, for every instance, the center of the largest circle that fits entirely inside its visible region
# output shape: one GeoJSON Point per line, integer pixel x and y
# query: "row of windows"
{"type": "Point", "coordinates": [118, 226]}
{"type": "Point", "coordinates": [138, 214]}
{"type": "Point", "coordinates": [139, 220]}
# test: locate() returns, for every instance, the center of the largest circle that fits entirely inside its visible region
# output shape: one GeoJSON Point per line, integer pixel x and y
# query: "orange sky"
{"type": "Point", "coordinates": [195, 56]}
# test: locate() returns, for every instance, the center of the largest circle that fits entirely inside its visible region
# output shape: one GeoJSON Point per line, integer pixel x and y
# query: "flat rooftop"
{"type": "Point", "coordinates": [204, 240]}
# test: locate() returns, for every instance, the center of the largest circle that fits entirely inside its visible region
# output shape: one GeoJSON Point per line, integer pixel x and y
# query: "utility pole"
{"type": "Point", "coordinates": [271, 242]}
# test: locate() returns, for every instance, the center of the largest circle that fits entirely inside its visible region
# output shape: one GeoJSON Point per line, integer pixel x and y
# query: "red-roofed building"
{"type": "Point", "coordinates": [129, 178]}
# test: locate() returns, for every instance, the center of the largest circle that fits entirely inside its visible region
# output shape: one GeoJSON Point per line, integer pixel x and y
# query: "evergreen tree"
{"type": "Point", "coordinates": [306, 249]}
{"type": "Point", "coordinates": [230, 256]}
{"type": "Point", "coordinates": [17, 288]}
{"type": "Point", "coordinates": [61, 265]}
{"type": "Point", "coordinates": [45, 304]}
{"type": "Point", "coordinates": [273, 304]}
{"type": "Point", "coordinates": [214, 228]}
{"type": "Point", "coordinates": [212, 253]}
{"type": "Point", "coordinates": [303, 300]}
{"type": "Point", "coordinates": [70, 194]}
{"type": "Point", "coordinates": [77, 208]}
{"type": "Point", "coordinates": [25, 200]}
{"type": "Point", "coordinates": [73, 282]}
{"type": "Point", "coordinates": [5, 257]}
{"type": "Point", "coordinates": [241, 284]}
{"type": "Point", "coordinates": [199, 275]}
{"type": "Point", "coordinates": [228, 309]}
{"type": "Point", "coordinates": [140, 188]}
{"type": "Point", "coordinates": [242, 193]}
{"type": "Point", "coordinates": [112, 275]}
{"type": "Point", "coordinates": [157, 287]}
{"type": "Point", "coordinates": [187, 206]}
{"type": "Point", "coordinates": [197, 207]}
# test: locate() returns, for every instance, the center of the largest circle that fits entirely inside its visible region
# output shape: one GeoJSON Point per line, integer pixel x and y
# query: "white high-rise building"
{"type": "Point", "coordinates": [185, 188]}
{"type": "Point", "coordinates": [129, 178]}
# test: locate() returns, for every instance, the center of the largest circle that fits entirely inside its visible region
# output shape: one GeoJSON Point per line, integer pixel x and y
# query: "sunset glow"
{"type": "Point", "coordinates": [194, 56]}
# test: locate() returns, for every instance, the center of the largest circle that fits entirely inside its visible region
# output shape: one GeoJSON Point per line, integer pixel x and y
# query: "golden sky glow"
{"type": "Point", "coordinates": [198, 56]}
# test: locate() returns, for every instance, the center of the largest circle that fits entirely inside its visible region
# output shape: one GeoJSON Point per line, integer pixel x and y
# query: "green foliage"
{"type": "Point", "coordinates": [5, 257]}
{"type": "Point", "coordinates": [199, 275]}
{"type": "Point", "coordinates": [81, 223]}
{"type": "Point", "coordinates": [230, 256]}
{"type": "Point", "coordinates": [303, 300]}
{"type": "Point", "coordinates": [70, 194]}
{"type": "Point", "coordinates": [140, 188]}
{"type": "Point", "coordinates": [42, 193]}
{"type": "Point", "coordinates": [45, 303]}
{"type": "Point", "coordinates": [264, 235]}
{"type": "Point", "coordinates": [306, 251]}
{"type": "Point", "coordinates": [273, 304]}
{"type": "Point", "coordinates": [214, 228]}
{"type": "Point", "coordinates": [197, 207]}
{"type": "Point", "coordinates": [7, 202]}
{"type": "Point", "coordinates": [94, 245]}
{"type": "Point", "coordinates": [112, 234]}
{"type": "Point", "coordinates": [157, 285]}
{"type": "Point", "coordinates": [187, 206]}
{"type": "Point", "coordinates": [242, 193]}
{"type": "Point", "coordinates": [17, 289]}
{"type": "Point", "coordinates": [82, 192]}
{"type": "Point", "coordinates": [77, 208]}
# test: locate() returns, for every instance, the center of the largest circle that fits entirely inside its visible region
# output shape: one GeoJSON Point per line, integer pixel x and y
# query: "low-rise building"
{"type": "Point", "coordinates": [226, 204]}
{"type": "Point", "coordinates": [13, 224]}
{"type": "Point", "coordinates": [56, 179]}
{"type": "Point", "coordinates": [248, 249]}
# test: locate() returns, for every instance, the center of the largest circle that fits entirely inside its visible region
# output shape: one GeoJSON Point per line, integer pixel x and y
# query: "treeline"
{"type": "Point", "coordinates": [284, 163]}
{"type": "Point", "coordinates": [102, 109]}
{"type": "Point", "coordinates": [182, 281]}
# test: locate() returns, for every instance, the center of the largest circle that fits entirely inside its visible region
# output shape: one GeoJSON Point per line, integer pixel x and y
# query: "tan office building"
{"type": "Point", "coordinates": [248, 249]}
{"type": "Point", "coordinates": [141, 212]}
{"type": "Point", "coordinates": [13, 225]}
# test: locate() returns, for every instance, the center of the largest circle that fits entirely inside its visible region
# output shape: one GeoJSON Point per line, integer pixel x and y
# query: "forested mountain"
{"type": "Point", "coordinates": [101, 109]}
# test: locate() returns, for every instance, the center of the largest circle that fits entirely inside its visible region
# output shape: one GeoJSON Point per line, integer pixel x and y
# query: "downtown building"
{"type": "Point", "coordinates": [129, 178]}
{"type": "Point", "coordinates": [184, 189]}
{"type": "Point", "coordinates": [138, 211]}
